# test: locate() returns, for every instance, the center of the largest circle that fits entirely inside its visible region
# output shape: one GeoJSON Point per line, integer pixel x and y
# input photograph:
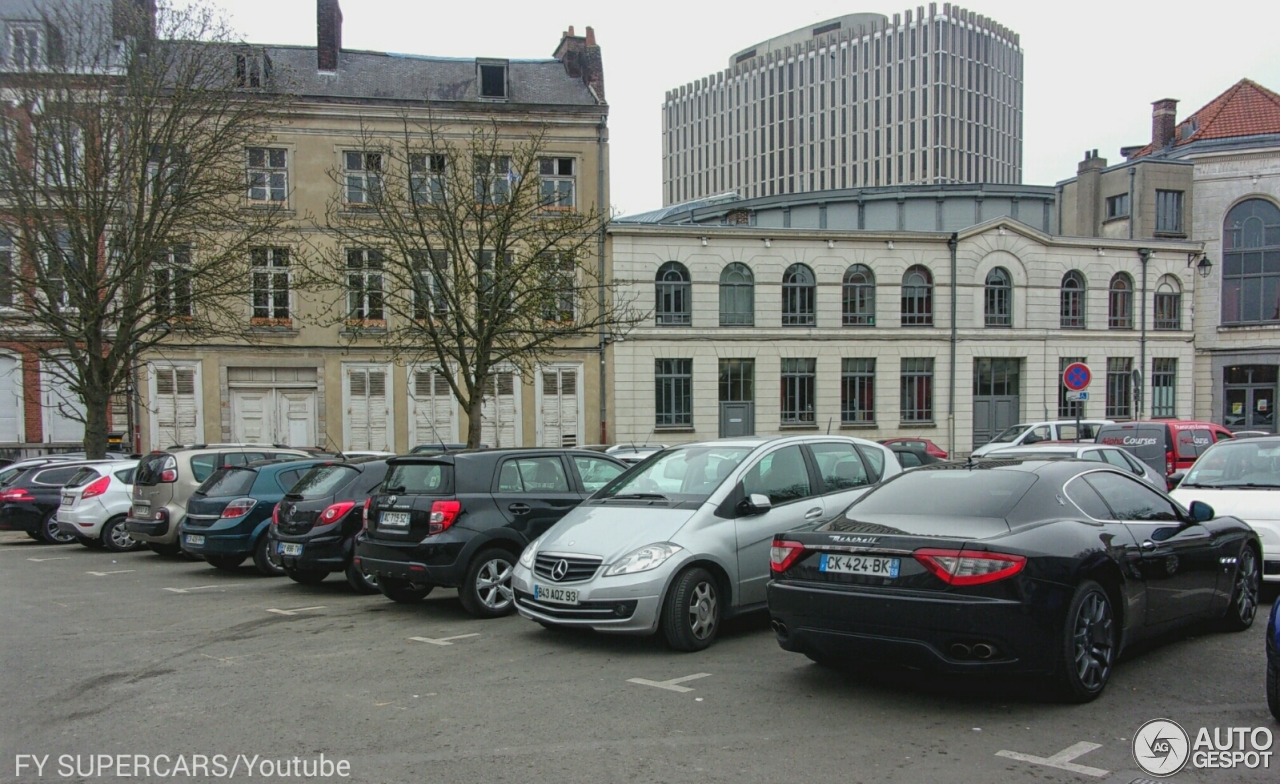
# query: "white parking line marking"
{"type": "Point", "coordinates": [444, 640]}
{"type": "Point", "coordinates": [203, 587]}
{"type": "Point", "coordinates": [295, 610]}
{"type": "Point", "coordinates": [42, 560]}
{"type": "Point", "coordinates": [671, 685]}
{"type": "Point", "coordinates": [117, 571]}
{"type": "Point", "coordinates": [1063, 759]}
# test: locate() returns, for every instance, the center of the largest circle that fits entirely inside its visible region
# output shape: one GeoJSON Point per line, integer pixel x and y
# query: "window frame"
{"type": "Point", "coordinates": [858, 298]}
{"type": "Point", "coordinates": [178, 275]}
{"type": "Point", "coordinates": [8, 275]}
{"type": "Point", "coordinates": [1119, 385]}
{"type": "Point", "coordinates": [33, 56]}
{"type": "Point", "coordinates": [1244, 263]}
{"type": "Point", "coordinates": [916, 386]}
{"type": "Point", "coordinates": [997, 300]}
{"type": "Point", "coordinates": [799, 296]}
{"type": "Point", "coordinates": [1073, 302]}
{"type": "Point", "coordinates": [364, 180]}
{"type": "Point", "coordinates": [858, 385]}
{"type": "Point", "coordinates": [673, 391]}
{"type": "Point", "coordinates": [1120, 302]}
{"type": "Point", "coordinates": [427, 173]}
{"type": "Point", "coordinates": [741, 294]}
{"type": "Point", "coordinates": [798, 382]}
{"type": "Point", "coordinates": [1167, 305]}
{"type": "Point", "coordinates": [1118, 207]}
{"type": "Point", "coordinates": [270, 272]}
{"type": "Point", "coordinates": [492, 179]}
{"type": "Point", "coordinates": [558, 198]}
{"type": "Point", "coordinates": [482, 84]}
{"type": "Point", "coordinates": [266, 173]}
{"type": "Point", "coordinates": [917, 298]}
{"type": "Point", "coordinates": [1169, 212]}
{"type": "Point", "coordinates": [366, 272]}
{"type": "Point", "coordinates": [673, 302]}
{"type": "Point", "coordinates": [1164, 387]}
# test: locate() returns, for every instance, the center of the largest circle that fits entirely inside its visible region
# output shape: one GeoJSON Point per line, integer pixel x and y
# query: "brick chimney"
{"type": "Point", "coordinates": [1164, 119]}
{"type": "Point", "coordinates": [328, 34]}
{"type": "Point", "coordinates": [582, 59]}
{"type": "Point", "coordinates": [1089, 195]}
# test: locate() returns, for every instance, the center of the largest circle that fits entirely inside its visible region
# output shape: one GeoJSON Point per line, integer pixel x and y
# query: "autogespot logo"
{"type": "Point", "coordinates": [1161, 747]}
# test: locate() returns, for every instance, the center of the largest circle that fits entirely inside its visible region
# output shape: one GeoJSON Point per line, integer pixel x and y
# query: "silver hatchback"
{"type": "Point", "coordinates": [682, 540]}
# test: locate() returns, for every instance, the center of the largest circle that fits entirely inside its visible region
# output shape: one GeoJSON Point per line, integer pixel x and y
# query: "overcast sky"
{"type": "Point", "coordinates": [1092, 67]}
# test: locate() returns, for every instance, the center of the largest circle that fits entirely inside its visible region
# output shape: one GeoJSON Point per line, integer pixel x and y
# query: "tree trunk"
{"type": "Point", "coordinates": [474, 420]}
{"type": "Point", "coordinates": [97, 423]}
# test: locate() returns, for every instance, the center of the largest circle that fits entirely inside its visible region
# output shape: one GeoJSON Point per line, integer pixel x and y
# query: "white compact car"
{"type": "Point", "coordinates": [1241, 479]}
{"type": "Point", "coordinates": [1029, 433]}
{"type": "Point", "coordinates": [95, 503]}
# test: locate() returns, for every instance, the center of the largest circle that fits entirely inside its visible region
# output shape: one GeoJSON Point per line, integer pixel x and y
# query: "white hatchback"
{"type": "Point", "coordinates": [95, 503]}
{"type": "Point", "coordinates": [1241, 479]}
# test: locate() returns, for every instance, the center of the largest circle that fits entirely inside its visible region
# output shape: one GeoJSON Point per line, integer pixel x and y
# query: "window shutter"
{"type": "Point", "coordinates": [559, 408]}
{"type": "Point", "coordinates": [378, 424]}
{"type": "Point", "coordinates": [432, 408]}
{"type": "Point", "coordinates": [358, 409]}
{"type": "Point", "coordinates": [498, 426]}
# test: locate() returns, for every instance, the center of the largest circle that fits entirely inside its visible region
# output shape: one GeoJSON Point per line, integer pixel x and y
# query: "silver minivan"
{"type": "Point", "coordinates": [681, 541]}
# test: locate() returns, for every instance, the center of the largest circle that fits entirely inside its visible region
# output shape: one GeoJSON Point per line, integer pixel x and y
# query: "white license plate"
{"type": "Point", "coordinates": [195, 540]}
{"type": "Point", "coordinates": [289, 548]}
{"type": "Point", "coordinates": [860, 564]}
{"type": "Point", "coordinates": [141, 511]}
{"type": "Point", "coordinates": [68, 500]}
{"type": "Point", "coordinates": [557, 595]}
{"type": "Point", "coordinates": [394, 520]}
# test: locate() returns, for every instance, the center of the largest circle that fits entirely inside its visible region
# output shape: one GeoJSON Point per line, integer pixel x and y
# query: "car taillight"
{"type": "Point", "coordinates": [16, 494]}
{"type": "Point", "coordinates": [955, 567]}
{"type": "Point", "coordinates": [783, 554]}
{"type": "Point", "coordinates": [1168, 463]}
{"type": "Point", "coordinates": [443, 513]}
{"type": "Point", "coordinates": [364, 515]}
{"type": "Point", "coordinates": [239, 507]}
{"type": "Point", "coordinates": [97, 487]}
{"type": "Point", "coordinates": [336, 512]}
{"type": "Point", "coordinates": [275, 515]}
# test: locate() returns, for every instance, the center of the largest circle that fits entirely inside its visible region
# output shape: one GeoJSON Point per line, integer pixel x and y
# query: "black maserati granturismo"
{"type": "Point", "coordinates": [1045, 567]}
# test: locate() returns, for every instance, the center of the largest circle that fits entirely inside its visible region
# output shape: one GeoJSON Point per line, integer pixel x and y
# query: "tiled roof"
{"type": "Point", "coordinates": [1246, 109]}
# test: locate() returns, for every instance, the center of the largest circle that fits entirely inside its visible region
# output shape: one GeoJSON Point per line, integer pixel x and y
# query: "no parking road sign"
{"type": "Point", "coordinates": [1077, 377]}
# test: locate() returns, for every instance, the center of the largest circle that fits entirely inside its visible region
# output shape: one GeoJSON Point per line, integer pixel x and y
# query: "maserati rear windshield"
{"type": "Point", "coordinates": [962, 492]}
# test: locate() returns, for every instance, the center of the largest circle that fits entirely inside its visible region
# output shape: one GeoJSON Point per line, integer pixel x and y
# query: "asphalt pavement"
{"type": "Point", "coordinates": [163, 659]}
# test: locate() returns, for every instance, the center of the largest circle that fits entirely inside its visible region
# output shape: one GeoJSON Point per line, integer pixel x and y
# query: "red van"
{"type": "Point", "coordinates": [1167, 445]}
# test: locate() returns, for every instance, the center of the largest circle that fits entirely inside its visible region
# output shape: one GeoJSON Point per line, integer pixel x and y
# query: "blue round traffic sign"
{"type": "Point", "coordinates": [1077, 376]}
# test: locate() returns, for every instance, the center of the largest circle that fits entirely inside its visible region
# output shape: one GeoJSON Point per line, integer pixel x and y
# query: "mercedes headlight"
{"type": "Point", "coordinates": [526, 558]}
{"type": "Point", "coordinates": [642, 560]}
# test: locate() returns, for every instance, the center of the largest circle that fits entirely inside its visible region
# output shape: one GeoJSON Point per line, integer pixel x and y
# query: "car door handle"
{"type": "Point", "coordinates": [1148, 545]}
{"type": "Point", "coordinates": [813, 514]}
{"type": "Point", "coordinates": [519, 509]}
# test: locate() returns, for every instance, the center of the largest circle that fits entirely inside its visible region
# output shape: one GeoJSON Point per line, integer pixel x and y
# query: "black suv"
{"type": "Point", "coordinates": [314, 529]}
{"type": "Point", "coordinates": [462, 519]}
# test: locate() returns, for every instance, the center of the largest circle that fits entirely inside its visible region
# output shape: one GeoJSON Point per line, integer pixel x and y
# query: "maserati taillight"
{"type": "Point", "coordinates": [17, 494]}
{"type": "Point", "coordinates": [957, 567]}
{"type": "Point", "coordinates": [783, 554]}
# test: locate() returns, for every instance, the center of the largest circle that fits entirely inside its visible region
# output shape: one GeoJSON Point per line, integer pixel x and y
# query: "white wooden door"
{"type": "Point", "coordinates": [432, 410]}
{"type": "Point", "coordinates": [252, 415]}
{"type": "Point", "coordinates": [295, 417]}
{"type": "Point", "coordinates": [10, 400]}
{"type": "Point", "coordinates": [61, 406]}
{"type": "Point", "coordinates": [559, 423]}
{"type": "Point", "coordinates": [368, 412]}
{"type": "Point", "coordinates": [500, 415]}
{"type": "Point", "coordinates": [176, 408]}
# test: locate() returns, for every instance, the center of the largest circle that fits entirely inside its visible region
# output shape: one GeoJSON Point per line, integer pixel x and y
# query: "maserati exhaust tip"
{"type": "Point", "coordinates": [960, 651]}
{"type": "Point", "coordinates": [983, 651]}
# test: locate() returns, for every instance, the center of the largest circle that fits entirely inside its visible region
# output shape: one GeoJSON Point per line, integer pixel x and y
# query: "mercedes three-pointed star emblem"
{"type": "Point", "coordinates": [559, 571]}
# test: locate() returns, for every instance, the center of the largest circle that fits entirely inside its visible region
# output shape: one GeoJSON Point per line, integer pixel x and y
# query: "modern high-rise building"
{"type": "Point", "coordinates": [860, 100]}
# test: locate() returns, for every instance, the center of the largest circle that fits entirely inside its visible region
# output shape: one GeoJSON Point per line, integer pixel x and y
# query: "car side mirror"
{"type": "Point", "coordinates": [1175, 479]}
{"type": "Point", "coordinates": [755, 504]}
{"type": "Point", "coordinates": [1201, 512]}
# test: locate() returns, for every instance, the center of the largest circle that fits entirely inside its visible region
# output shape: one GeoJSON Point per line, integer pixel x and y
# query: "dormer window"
{"type": "Point", "coordinates": [253, 69]}
{"type": "Point", "coordinates": [493, 79]}
{"type": "Point", "coordinates": [24, 47]}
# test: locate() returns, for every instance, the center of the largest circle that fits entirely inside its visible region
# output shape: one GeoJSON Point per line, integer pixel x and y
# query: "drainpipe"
{"type": "Point", "coordinates": [1133, 208]}
{"type": "Point", "coordinates": [1145, 255]}
{"type": "Point", "coordinates": [600, 287]}
{"type": "Point", "coordinates": [952, 242]}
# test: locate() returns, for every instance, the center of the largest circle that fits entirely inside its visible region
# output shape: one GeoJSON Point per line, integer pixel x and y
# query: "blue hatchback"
{"type": "Point", "coordinates": [1273, 660]}
{"type": "Point", "coordinates": [228, 516]}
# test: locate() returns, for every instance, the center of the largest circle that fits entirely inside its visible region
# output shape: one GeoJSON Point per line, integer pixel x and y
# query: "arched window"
{"type": "Point", "coordinates": [1072, 301]}
{"type": "Point", "coordinates": [1168, 304]}
{"type": "Point", "coordinates": [1120, 307]}
{"type": "Point", "coordinates": [798, 296]}
{"type": "Point", "coordinates": [673, 290]}
{"type": "Point", "coordinates": [917, 297]}
{"type": "Point", "coordinates": [998, 303]}
{"type": "Point", "coordinates": [737, 296]}
{"type": "Point", "coordinates": [859, 296]}
{"type": "Point", "coordinates": [1251, 263]}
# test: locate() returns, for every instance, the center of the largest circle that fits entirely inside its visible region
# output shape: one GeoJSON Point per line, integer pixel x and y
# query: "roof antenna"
{"type": "Point", "coordinates": [829, 421]}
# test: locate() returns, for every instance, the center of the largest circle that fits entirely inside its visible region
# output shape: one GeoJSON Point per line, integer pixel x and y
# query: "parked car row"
{"type": "Point", "coordinates": [1047, 560]}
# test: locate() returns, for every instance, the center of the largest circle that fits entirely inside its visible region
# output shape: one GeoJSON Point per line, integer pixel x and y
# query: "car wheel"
{"type": "Point", "coordinates": [1244, 598]}
{"type": "Point", "coordinates": [169, 550]}
{"type": "Point", "coordinates": [263, 561]}
{"type": "Point", "coordinates": [305, 576]}
{"type": "Point", "coordinates": [1089, 644]}
{"type": "Point", "coordinates": [486, 590]}
{"type": "Point", "coordinates": [361, 582]}
{"type": "Point", "coordinates": [403, 591]}
{"type": "Point", "coordinates": [1273, 688]}
{"type": "Point", "coordinates": [691, 613]}
{"type": "Point", "coordinates": [116, 538]}
{"type": "Point", "coordinates": [227, 563]}
{"type": "Point", "coordinates": [50, 532]}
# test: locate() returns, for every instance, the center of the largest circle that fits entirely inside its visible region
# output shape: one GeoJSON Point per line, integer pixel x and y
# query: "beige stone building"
{"type": "Point", "coordinates": [303, 384]}
{"type": "Point", "coordinates": [1214, 178]}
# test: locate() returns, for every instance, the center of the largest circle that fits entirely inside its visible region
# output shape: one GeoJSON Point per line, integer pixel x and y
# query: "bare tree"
{"type": "Point", "coordinates": [123, 191]}
{"type": "Point", "coordinates": [462, 253]}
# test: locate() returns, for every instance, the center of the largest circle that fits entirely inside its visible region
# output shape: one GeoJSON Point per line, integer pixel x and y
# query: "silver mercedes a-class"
{"type": "Point", "coordinates": [681, 541]}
